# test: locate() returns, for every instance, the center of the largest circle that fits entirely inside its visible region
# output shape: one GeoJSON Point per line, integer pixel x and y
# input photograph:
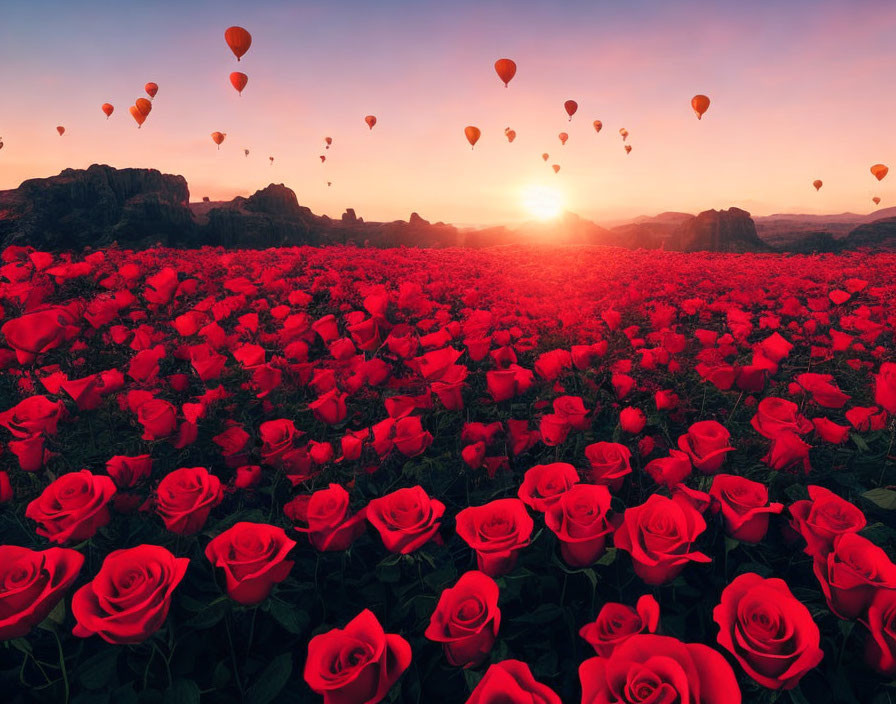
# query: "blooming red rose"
{"type": "Point", "coordinates": [410, 438]}
{"type": "Point", "coordinates": [185, 497]}
{"type": "Point", "coordinates": [671, 470]}
{"type": "Point", "coordinates": [127, 472]}
{"type": "Point", "coordinates": [831, 431]}
{"type": "Point", "coordinates": [880, 647]}
{"type": "Point", "coordinates": [865, 418]}
{"type": "Point", "coordinates": [253, 557]}
{"type": "Point", "coordinates": [616, 623]}
{"type": "Point", "coordinates": [885, 387]}
{"type": "Point", "coordinates": [38, 332]}
{"type": "Point", "coordinates": [406, 519]}
{"type": "Point", "coordinates": [330, 524]}
{"type": "Point", "coordinates": [233, 443]}
{"type": "Point", "coordinates": [706, 443]}
{"type": "Point", "coordinates": [579, 520]}
{"type": "Point", "coordinates": [158, 418]}
{"type": "Point", "coordinates": [788, 452]}
{"type": "Point", "coordinates": [658, 669]}
{"type": "Point", "coordinates": [277, 437]}
{"type": "Point", "coordinates": [543, 484]}
{"type": "Point", "coordinates": [610, 463]}
{"type": "Point", "coordinates": [511, 682]}
{"type": "Point", "coordinates": [330, 407]}
{"type": "Point", "coordinates": [659, 535]}
{"type": "Point", "coordinates": [33, 416]}
{"type": "Point", "coordinates": [31, 452]}
{"type": "Point", "coordinates": [466, 619]}
{"type": "Point", "coordinates": [496, 531]}
{"type": "Point", "coordinates": [822, 518]}
{"type": "Point", "coordinates": [357, 664]}
{"type": "Point", "coordinates": [572, 408]}
{"type": "Point", "coordinates": [632, 420]}
{"type": "Point", "coordinates": [73, 507]}
{"type": "Point", "coordinates": [823, 389]}
{"type": "Point", "coordinates": [247, 476]}
{"type": "Point", "coordinates": [768, 630]}
{"type": "Point", "coordinates": [32, 582]}
{"type": "Point", "coordinates": [775, 415]}
{"type": "Point", "coordinates": [851, 573]}
{"type": "Point", "coordinates": [744, 506]}
{"type": "Point", "coordinates": [554, 429]}
{"type": "Point", "coordinates": [129, 598]}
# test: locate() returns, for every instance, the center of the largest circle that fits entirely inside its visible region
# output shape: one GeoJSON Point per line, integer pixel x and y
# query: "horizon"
{"type": "Point", "coordinates": [795, 96]}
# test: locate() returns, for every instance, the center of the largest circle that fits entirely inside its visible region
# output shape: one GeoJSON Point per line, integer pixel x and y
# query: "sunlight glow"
{"type": "Point", "coordinates": [542, 202]}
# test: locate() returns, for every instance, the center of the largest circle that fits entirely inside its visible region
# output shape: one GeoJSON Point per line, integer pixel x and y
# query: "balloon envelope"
{"type": "Point", "coordinates": [138, 116]}
{"type": "Point", "coordinates": [238, 39]}
{"type": "Point", "coordinates": [511, 135]}
{"type": "Point", "coordinates": [555, 167]}
{"type": "Point", "coordinates": [563, 137]}
{"type": "Point", "coordinates": [571, 107]}
{"type": "Point", "coordinates": [218, 137]}
{"type": "Point", "coordinates": [151, 89]}
{"type": "Point", "coordinates": [506, 70]}
{"type": "Point", "coordinates": [239, 80]}
{"type": "Point", "coordinates": [472, 134]}
{"type": "Point", "coordinates": [817, 183]}
{"type": "Point", "coordinates": [628, 148]}
{"type": "Point", "coordinates": [108, 109]}
{"type": "Point", "coordinates": [700, 103]}
{"type": "Point", "coordinates": [246, 152]}
{"type": "Point", "coordinates": [879, 171]}
{"type": "Point", "coordinates": [370, 120]}
{"type": "Point", "coordinates": [598, 125]}
{"type": "Point", "coordinates": [60, 129]}
{"type": "Point", "coordinates": [624, 133]}
{"type": "Point", "coordinates": [875, 199]}
{"type": "Point", "coordinates": [143, 105]}
{"type": "Point", "coordinates": [544, 157]}
{"type": "Point", "coordinates": [322, 158]}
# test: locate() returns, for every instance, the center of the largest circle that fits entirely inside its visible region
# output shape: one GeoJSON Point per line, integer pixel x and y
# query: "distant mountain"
{"type": "Point", "coordinates": [879, 233]}
{"type": "Point", "coordinates": [793, 230]}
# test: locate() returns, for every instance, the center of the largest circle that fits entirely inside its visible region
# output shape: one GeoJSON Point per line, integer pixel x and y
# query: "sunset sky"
{"type": "Point", "coordinates": [800, 90]}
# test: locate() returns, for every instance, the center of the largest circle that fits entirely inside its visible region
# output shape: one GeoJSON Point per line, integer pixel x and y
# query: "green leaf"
{"type": "Point", "coordinates": [860, 442]}
{"type": "Point", "coordinates": [884, 498]}
{"type": "Point", "coordinates": [182, 691]}
{"type": "Point", "coordinates": [542, 614]}
{"type": "Point", "coordinates": [730, 544]}
{"type": "Point", "coordinates": [97, 670]}
{"type": "Point", "coordinates": [472, 678]}
{"type": "Point", "coordinates": [797, 696]}
{"type": "Point", "coordinates": [291, 618]}
{"type": "Point", "coordinates": [272, 679]}
{"type": "Point", "coordinates": [209, 616]}
{"type": "Point", "coordinates": [608, 558]}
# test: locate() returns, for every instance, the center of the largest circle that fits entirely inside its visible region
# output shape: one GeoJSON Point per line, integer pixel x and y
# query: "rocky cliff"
{"type": "Point", "coordinates": [881, 233]}
{"type": "Point", "coordinates": [729, 230]}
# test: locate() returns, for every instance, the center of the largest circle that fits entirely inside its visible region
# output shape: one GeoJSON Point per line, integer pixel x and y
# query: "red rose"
{"type": "Point", "coordinates": [511, 682]}
{"type": "Point", "coordinates": [885, 387]}
{"type": "Point", "coordinates": [632, 420]}
{"type": "Point", "coordinates": [865, 418]}
{"type": "Point", "coordinates": [327, 513]}
{"type": "Point", "coordinates": [823, 389]}
{"type": "Point", "coordinates": [880, 648]}
{"type": "Point", "coordinates": [616, 623]}
{"type": "Point", "coordinates": [277, 437]}
{"type": "Point", "coordinates": [788, 452]}
{"type": "Point", "coordinates": [406, 519]}
{"type": "Point", "coordinates": [579, 520]}
{"type": "Point", "coordinates": [129, 598]}
{"type": "Point", "coordinates": [831, 431]}
{"type": "Point", "coordinates": [38, 332]}
{"type": "Point", "coordinates": [775, 415]}
{"type": "Point", "coordinates": [31, 452]}
{"type": "Point", "coordinates": [744, 506]}
{"type": "Point", "coordinates": [496, 531]}
{"type": "Point", "coordinates": [329, 408]}
{"type": "Point", "coordinates": [158, 418]}
{"type": "Point", "coordinates": [658, 669]}
{"type": "Point", "coordinates": [185, 497]}
{"type": "Point", "coordinates": [466, 619]}
{"type": "Point", "coordinates": [822, 518]}
{"type": "Point", "coordinates": [73, 507]}
{"type": "Point", "coordinates": [671, 470]}
{"type": "Point", "coordinates": [851, 573]}
{"type": "Point", "coordinates": [410, 438]}
{"type": "Point", "coordinates": [551, 364]}
{"type": "Point", "coordinates": [357, 664]}
{"type": "Point", "coordinates": [768, 630]}
{"type": "Point", "coordinates": [610, 463]}
{"type": "Point", "coordinates": [659, 535]}
{"type": "Point", "coordinates": [233, 443]}
{"type": "Point", "coordinates": [33, 416]}
{"type": "Point", "coordinates": [706, 443]}
{"type": "Point", "coordinates": [247, 476]}
{"type": "Point", "coordinates": [253, 557]}
{"type": "Point", "coordinates": [127, 472]}
{"type": "Point", "coordinates": [326, 327]}
{"type": "Point", "coordinates": [33, 582]}
{"type": "Point", "coordinates": [554, 429]}
{"type": "Point", "coordinates": [572, 408]}
{"type": "Point", "coordinates": [544, 484]}
{"type": "Point", "coordinates": [449, 388]}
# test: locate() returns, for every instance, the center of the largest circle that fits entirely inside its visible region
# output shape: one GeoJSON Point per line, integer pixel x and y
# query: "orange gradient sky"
{"type": "Point", "coordinates": [800, 90]}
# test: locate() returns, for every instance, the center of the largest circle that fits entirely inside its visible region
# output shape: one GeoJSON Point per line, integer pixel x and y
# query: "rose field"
{"type": "Point", "coordinates": [525, 474]}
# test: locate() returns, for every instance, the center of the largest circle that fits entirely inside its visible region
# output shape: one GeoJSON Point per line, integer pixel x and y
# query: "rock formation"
{"type": "Point", "coordinates": [729, 230]}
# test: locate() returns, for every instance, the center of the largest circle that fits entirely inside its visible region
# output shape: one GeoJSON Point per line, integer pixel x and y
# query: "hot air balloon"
{"type": "Point", "coordinates": [628, 148]}
{"type": "Point", "coordinates": [624, 133]}
{"type": "Point", "coordinates": [322, 158]}
{"type": "Point", "coordinates": [544, 157]}
{"type": "Point", "coordinates": [108, 109]}
{"type": "Point", "coordinates": [598, 125]}
{"type": "Point", "coordinates": [511, 135]}
{"type": "Point", "coordinates": [506, 70]}
{"type": "Point", "coordinates": [246, 152]}
{"type": "Point", "coordinates": [143, 105]}
{"type": "Point", "coordinates": [472, 134]}
{"type": "Point", "coordinates": [138, 116]}
{"type": "Point", "coordinates": [555, 167]}
{"type": "Point", "coordinates": [571, 107]}
{"type": "Point", "coordinates": [563, 137]}
{"type": "Point", "coordinates": [218, 137]}
{"type": "Point", "coordinates": [700, 103]}
{"type": "Point", "coordinates": [238, 39]}
{"type": "Point", "coordinates": [875, 200]}
{"type": "Point", "coordinates": [1, 142]}
{"type": "Point", "coordinates": [151, 89]}
{"type": "Point", "coordinates": [879, 171]}
{"type": "Point", "coordinates": [329, 183]}
{"type": "Point", "coordinates": [370, 120]}
{"type": "Point", "coordinates": [817, 183]}
{"type": "Point", "coordinates": [329, 141]}
{"type": "Point", "coordinates": [60, 129]}
{"type": "Point", "coordinates": [272, 160]}
{"type": "Point", "coordinates": [238, 80]}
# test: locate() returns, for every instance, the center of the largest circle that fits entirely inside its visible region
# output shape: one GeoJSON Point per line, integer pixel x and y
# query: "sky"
{"type": "Point", "coordinates": [800, 90]}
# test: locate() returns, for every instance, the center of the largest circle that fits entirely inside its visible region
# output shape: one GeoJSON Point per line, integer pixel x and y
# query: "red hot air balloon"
{"type": "Point", "coordinates": [700, 103]}
{"type": "Point", "coordinates": [238, 39]}
{"type": "Point", "coordinates": [246, 152]}
{"type": "Point", "coordinates": [555, 167]}
{"type": "Point", "coordinates": [151, 89]}
{"type": "Point", "coordinates": [60, 129]}
{"type": "Point", "coordinates": [506, 70]}
{"type": "Point", "coordinates": [329, 141]}
{"type": "Point", "coordinates": [817, 183]}
{"type": "Point", "coordinates": [624, 133]}
{"type": "Point", "coordinates": [472, 134]}
{"type": "Point", "coordinates": [238, 81]}
{"type": "Point", "coordinates": [138, 116]}
{"type": "Point", "coordinates": [879, 171]}
{"type": "Point", "coordinates": [370, 120]}
{"type": "Point", "coordinates": [143, 105]}
{"type": "Point", "coordinates": [218, 137]}
{"type": "Point", "coordinates": [108, 109]}
{"type": "Point", "coordinates": [598, 125]}
{"type": "Point", "coordinates": [544, 157]}
{"type": "Point", "coordinates": [563, 137]}
{"type": "Point", "coordinates": [628, 148]}
{"type": "Point", "coordinates": [571, 107]}
{"type": "Point", "coordinates": [875, 200]}
{"type": "Point", "coordinates": [272, 160]}
{"type": "Point", "coordinates": [1, 142]}
{"type": "Point", "coordinates": [322, 158]}
{"type": "Point", "coordinates": [511, 135]}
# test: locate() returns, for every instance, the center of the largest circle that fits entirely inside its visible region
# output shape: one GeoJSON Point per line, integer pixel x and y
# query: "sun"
{"type": "Point", "coordinates": [542, 202]}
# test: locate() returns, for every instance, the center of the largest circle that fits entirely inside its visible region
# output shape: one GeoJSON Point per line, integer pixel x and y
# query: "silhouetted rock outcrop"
{"type": "Point", "coordinates": [729, 230]}
{"type": "Point", "coordinates": [880, 233]}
